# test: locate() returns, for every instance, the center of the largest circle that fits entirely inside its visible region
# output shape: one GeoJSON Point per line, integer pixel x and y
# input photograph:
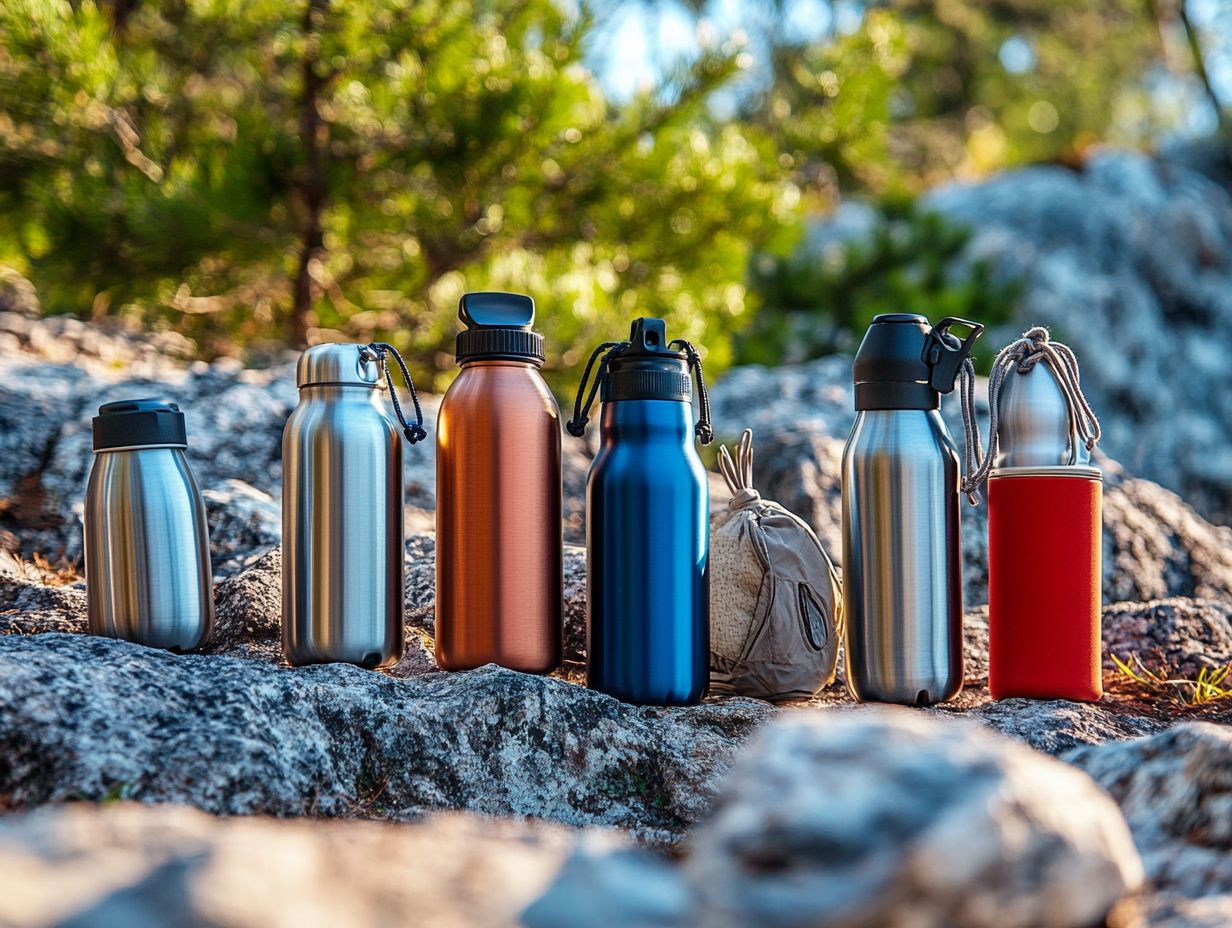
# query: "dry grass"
{"type": "Point", "coordinates": [1212, 684]}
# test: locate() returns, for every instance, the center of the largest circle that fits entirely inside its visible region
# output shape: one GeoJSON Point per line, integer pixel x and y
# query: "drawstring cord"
{"type": "Point", "coordinates": [705, 434]}
{"type": "Point", "coordinates": [581, 415]}
{"type": "Point", "coordinates": [738, 472]}
{"type": "Point", "coordinates": [1022, 355]}
{"type": "Point", "coordinates": [414, 431]}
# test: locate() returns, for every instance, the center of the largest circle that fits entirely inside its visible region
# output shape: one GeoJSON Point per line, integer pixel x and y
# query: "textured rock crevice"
{"type": "Point", "coordinates": [84, 717]}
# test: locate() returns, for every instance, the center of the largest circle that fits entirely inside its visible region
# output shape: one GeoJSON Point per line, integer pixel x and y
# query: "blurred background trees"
{"type": "Point", "coordinates": [264, 173]}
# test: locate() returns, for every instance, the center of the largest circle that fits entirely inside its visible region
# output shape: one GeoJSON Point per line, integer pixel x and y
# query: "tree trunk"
{"type": "Point", "coordinates": [310, 186]}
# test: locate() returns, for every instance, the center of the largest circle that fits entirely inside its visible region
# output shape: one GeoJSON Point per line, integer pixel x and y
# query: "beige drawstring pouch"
{"type": "Point", "coordinates": [775, 597]}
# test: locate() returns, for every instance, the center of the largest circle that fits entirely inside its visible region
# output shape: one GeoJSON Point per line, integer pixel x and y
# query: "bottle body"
{"type": "Point", "coordinates": [648, 522]}
{"type": "Point", "coordinates": [1045, 583]}
{"type": "Point", "coordinates": [342, 529]}
{"type": "Point", "coordinates": [147, 553]}
{"type": "Point", "coordinates": [902, 568]}
{"type": "Point", "coordinates": [499, 545]}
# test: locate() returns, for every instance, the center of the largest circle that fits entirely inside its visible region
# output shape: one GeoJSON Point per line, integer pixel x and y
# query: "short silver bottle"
{"type": "Point", "coordinates": [147, 549]}
{"type": "Point", "coordinates": [342, 512]}
{"type": "Point", "coordinates": [902, 567]}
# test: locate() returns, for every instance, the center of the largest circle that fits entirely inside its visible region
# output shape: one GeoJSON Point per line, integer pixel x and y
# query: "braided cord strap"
{"type": "Point", "coordinates": [581, 409]}
{"type": "Point", "coordinates": [705, 434]}
{"type": "Point", "coordinates": [1021, 356]}
{"type": "Point", "coordinates": [414, 431]}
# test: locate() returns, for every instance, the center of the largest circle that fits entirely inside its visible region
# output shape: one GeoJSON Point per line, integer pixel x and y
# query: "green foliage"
{"type": "Point", "coordinates": [822, 298]}
{"type": "Point", "coordinates": [921, 91]}
{"type": "Point", "coordinates": [254, 171]}
{"type": "Point", "coordinates": [261, 172]}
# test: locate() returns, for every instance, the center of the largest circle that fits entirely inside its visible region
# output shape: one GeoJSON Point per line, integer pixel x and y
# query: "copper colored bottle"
{"type": "Point", "coordinates": [498, 496]}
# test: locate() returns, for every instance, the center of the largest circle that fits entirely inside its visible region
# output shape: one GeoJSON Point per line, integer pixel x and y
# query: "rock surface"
{"type": "Point", "coordinates": [133, 866]}
{"type": "Point", "coordinates": [84, 717]}
{"type": "Point", "coordinates": [1185, 635]}
{"type": "Point", "coordinates": [952, 827]}
{"type": "Point", "coordinates": [1130, 260]}
{"type": "Point", "coordinates": [813, 827]}
{"type": "Point", "coordinates": [1175, 789]}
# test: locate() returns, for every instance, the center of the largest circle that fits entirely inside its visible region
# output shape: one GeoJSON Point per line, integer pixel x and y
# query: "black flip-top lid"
{"type": "Point", "coordinates": [139, 424]}
{"type": "Point", "coordinates": [648, 369]}
{"type": "Point", "coordinates": [498, 328]}
{"type": "Point", "coordinates": [903, 364]}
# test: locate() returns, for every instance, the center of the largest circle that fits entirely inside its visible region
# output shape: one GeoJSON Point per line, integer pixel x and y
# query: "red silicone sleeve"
{"type": "Point", "coordinates": [1044, 586]}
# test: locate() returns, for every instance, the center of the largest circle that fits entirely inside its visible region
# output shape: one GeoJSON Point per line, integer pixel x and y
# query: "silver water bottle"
{"type": "Point", "coordinates": [147, 548]}
{"type": "Point", "coordinates": [342, 511]}
{"type": "Point", "coordinates": [902, 567]}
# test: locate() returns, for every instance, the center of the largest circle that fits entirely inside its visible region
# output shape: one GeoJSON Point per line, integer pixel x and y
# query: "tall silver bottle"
{"type": "Point", "coordinates": [147, 548]}
{"type": "Point", "coordinates": [902, 567]}
{"type": "Point", "coordinates": [342, 513]}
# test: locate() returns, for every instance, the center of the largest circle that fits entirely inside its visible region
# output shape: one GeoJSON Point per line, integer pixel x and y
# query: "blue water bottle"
{"type": "Point", "coordinates": [647, 521]}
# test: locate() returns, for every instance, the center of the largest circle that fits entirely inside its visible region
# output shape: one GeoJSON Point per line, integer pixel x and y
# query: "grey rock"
{"type": "Point", "coordinates": [1168, 910]}
{"type": "Point", "coordinates": [1185, 635]}
{"type": "Point", "coordinates": [89, 718]}
{"type": "Point", "coordinates": [243, 521]}
{"type": "Point", "coordinates": [812, 397]}
{"type": "Point", "coordinates": [1130, 260]}
{"type": "Point", "coordinates": [881, 817]}
{"type": "Point", "coordinates": [418, 658]}
{"type": "Point", "coordinates": [421, 581]}
{"type": "Point", "coordinates": [1054, 726]}
{"type": "Point", "coordinates": [132, 866]}
{"type": "Point", "coordinates": [574, 631]}
{"type": "Point", "coordinates": [248, 610]}
{"type": "Point", "coordinates": [34, 599]}
{"type": "Point", "coordinates": [1156, 545]}
{"type": "Point", "coordinates": [605, 888]}
{"type": "Point", "coordinates": [1175, 789]}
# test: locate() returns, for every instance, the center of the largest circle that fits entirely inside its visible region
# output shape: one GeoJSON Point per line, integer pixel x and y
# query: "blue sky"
{"type": "Point", "coordinates": [640, 41]}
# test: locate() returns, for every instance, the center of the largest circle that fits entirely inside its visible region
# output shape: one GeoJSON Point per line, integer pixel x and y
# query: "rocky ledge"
{"type": "Point", "coordinates": [772, 814]}
{"type": "Point", "coordinates": [226, 788]}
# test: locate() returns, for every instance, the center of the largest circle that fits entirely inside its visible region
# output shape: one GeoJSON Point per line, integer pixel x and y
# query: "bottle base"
{"type": "Point", "coordinates": [918, 697]}
{"type": "Point", "coordinates": [368, 660]}
{"type": "Point", "coordinates": [535, 668]}
{"type": "Point", "coordinates": [651, 698]}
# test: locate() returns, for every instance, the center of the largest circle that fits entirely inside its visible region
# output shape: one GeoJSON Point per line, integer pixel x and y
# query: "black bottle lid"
{"type": "Point", "coordinates": [498, 328]}
{"type": "Point", "coordinates": [647, 369]}
{"type": "Point", "coordinates": [139, 424]}
{"type": "Point", "coordinates": [903, 364]}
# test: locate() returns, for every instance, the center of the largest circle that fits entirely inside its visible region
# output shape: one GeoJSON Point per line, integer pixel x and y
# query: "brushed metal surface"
{"type": "Point", "coordinates": [147, 550]}
{"type": "Point", "coordinates": [1034, 427]}
{"type": "Point", "coordinates": [648, 546]}
{"type": "Point", "coordinates": [499, 545]}
{"type": "Point", "coordinates": [342, 529]}
{"type": "Point", "coordinates": [902, 577]}
{"type": "Point", "coordinates": [338, 364]}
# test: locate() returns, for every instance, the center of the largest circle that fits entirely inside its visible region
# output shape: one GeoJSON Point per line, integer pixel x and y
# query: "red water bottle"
{"type": "Point", "coordinates": [1044, 527]}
